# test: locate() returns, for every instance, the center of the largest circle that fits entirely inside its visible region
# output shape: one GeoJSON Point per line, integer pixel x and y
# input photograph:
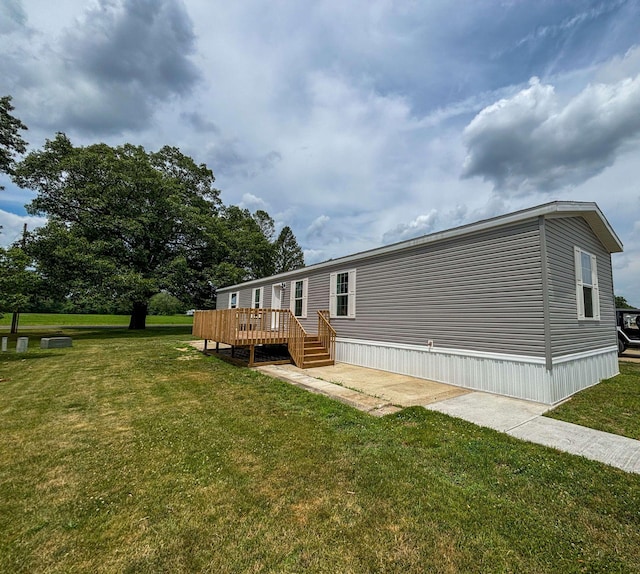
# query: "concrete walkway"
{"type": "Point", "coordinates": [379, 393]}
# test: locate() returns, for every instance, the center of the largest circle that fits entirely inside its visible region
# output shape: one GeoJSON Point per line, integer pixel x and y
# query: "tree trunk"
{"type": "Point", "coordinates": [15, 318]}
{"type": "Point", "coordinates": [138, 316]}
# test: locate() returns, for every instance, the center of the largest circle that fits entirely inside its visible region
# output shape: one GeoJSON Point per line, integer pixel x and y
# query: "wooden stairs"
{"type": "Point", "coordinates": [315, 354]}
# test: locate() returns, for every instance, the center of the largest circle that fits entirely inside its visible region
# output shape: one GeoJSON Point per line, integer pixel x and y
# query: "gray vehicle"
{"type": "Point", "coordinates": [628, 321]}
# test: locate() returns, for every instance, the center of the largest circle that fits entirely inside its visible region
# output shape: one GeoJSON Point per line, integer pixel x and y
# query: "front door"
{"type": "Point", "coordinates": [276, 303]}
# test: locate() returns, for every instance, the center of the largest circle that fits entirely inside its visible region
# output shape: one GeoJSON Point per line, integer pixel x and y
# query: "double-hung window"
{"type": "Point", "coordinates": [258, 294]}
{"type": "Point", "coordinates": [233, 300]}
{"type": "Point", "coordinates": [298, 301]}
{"type": "Point", "coordinates": [342, 294]}
{"type": "Point", "coordinates": [587, 293]}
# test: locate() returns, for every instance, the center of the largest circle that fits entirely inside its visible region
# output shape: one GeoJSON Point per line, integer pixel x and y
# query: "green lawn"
{"type": "Point", "coordinates": [131, 452]}
{"type": "Point", "coordinates": [60, 320]}
{"type": "Point", "coordinates": [611, 406]}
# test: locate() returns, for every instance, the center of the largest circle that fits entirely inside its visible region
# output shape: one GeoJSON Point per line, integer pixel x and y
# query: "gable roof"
{"type": "Point", "coordinates": [589, 211]}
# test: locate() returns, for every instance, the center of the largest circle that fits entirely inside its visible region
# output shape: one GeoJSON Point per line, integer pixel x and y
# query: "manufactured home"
{"type": "Point", "coordinates": [520, 305]}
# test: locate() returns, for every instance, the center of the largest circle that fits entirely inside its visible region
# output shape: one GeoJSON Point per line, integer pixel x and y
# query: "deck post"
{"type": "Point", "coordinates": [233, 350]}
{"type": "Point", "coordinates": [252, 355]}
{"type": "Point", "coordinates": [217, 346]}
{"type": "Point", "coordinates": [205, 345]}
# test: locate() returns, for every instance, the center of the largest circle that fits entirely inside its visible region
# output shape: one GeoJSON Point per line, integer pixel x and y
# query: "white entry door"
{"type": "Point", "coordinates": [276, 303]}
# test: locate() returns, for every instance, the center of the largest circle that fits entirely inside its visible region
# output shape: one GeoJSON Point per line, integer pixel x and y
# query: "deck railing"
{"type": "Point", "coordinates": [297, 335]}
{"type": "Point", "coordinates": [243, 326]}
{"type": "Point", "coordinates": [326, 334]}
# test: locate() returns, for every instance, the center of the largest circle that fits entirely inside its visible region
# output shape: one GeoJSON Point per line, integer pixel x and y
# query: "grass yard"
{"type": "Point", "coordinates": [131, 452]}
{"type": "Point", "coordinates": [611, 406]}
{"type": "Point", "coordinates": [66, 320]}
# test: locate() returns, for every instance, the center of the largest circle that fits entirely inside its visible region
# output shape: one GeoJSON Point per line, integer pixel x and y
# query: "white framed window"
{"type": "Point", "coordinates": [587, 292]}
{"type": "Point", "coordinates": [298, 297]}
{"type": "Point", "coordinates": [342, 294]}
{"type": "Point", "coordinates": [233, 300]}
{"type": "Point", "coordinates": [258, 298]}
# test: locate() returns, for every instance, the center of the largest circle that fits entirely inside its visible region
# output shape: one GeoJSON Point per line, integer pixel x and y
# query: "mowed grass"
{"type": "Point", "coordinates": [611, 406]}
{"type": "Point", "coordinates": [131, 452]}
{"type": "Point", "coordinates": [68, 319]}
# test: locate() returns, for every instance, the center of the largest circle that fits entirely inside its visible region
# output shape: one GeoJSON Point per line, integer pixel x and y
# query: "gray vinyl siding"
{"type": "Point", "coordinates": [568, 334]}
{"type": "Point", "coordinates": [481, 291]}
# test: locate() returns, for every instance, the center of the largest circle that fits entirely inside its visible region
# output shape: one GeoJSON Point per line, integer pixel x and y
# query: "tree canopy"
{"type": "Point", "coordinates": [621, 303]}
{"type": "Point", "coordinates": [11, 141]}
{"type": "Point", "coordinates": [125, 224]}
{"type": "Point", "coordinates": [120, 219]}
{"type": "Point", "coordinates": [17, 281]}
{"type": "Point", "coordinates": [288, 254]}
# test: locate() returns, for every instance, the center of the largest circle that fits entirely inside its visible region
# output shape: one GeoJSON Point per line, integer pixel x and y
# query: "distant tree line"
{"type": "Point", "coordinates": [127, 227]}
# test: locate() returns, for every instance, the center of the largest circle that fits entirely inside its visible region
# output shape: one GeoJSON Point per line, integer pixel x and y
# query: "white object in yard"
{"type": "Point", "coordinates": [22, 344]}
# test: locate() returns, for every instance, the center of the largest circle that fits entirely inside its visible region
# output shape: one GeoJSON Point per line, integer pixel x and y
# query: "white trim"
{"type": "Point", "coordinates": [230, 304]}
{"type": "Point", "coordinates": [481, 354]}
{"type": "Point", "coordinates": [587, 210]}
{"type": "Point", "coordinates": [447, 351]}
{"type": "Point", "coordinates": [584, 355]}
{"type": "Point", "coordinates": [292, 297]}
{"type": "Point", "coordinates": [595, 290]}
{"type": "Point", "coordinates": [260, 290]}
{"type": "Point", "coordinates": [351, 294]}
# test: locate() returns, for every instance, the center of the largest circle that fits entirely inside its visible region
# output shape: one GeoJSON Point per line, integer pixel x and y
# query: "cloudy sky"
{"type": "Point", "coordinates": [357, 123]}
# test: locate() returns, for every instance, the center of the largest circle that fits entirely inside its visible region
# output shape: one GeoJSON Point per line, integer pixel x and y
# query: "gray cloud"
{"type": "Point", "coordinates": [11, 226]}
{"type": "Point", "coordinates": [227, 157]}
{"type": "Point", "coordinates": [110, 71]}
{"type": "Point", "coordinates": [252, 202]}
{"type": "Point", "coordinates": [317, 227]}
{"type": "Point", "coordinates": [12, 16]}
{"type": "Point", "coordinates": [199, 123]}
{"type": "Point", "coordinates": [532, 142]}
{"type": "Point", "coordinates": [425, 224]}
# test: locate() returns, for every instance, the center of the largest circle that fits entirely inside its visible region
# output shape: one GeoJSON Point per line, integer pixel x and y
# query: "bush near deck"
{"type": "Point", "coordinates": [131, 452]}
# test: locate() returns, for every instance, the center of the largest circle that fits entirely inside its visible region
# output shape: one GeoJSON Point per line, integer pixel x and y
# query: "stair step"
{"type": "Point", "coordinates": [322, 357]}
{"type": "Point", "coordinates": [314, 350]}
{"type": "Point", "coordinates": [317, 363]}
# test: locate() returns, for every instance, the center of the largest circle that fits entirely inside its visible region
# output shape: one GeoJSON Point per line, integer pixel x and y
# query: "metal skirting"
{"type": "Point", "coordinates": [514, 376]}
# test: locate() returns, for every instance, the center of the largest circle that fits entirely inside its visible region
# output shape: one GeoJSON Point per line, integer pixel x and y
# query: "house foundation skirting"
{"type": "Point", "coordinates": [511, 375]}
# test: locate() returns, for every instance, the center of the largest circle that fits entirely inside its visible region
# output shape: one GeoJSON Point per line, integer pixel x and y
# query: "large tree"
{"type": "Point", "coordinates": [288, 254]}
{"type": "Point", "coordinates": [18, 282]}
{"type": "Point", "coordinates": [11, 141]}
{"type": "Point", "coordinates": [123, 223]}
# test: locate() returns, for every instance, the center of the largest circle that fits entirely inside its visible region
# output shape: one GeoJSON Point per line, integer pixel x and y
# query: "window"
{"type": "Point", "coordinates": [342, 294]}
{"type": "Point", "coordinates": [257, 297]}
{"type": "Point", "coordinates": [587, 293]}
{"type": "Point", "coordinates": [233, 300]}
{"type": "Point", "coordinates": [298, 302]}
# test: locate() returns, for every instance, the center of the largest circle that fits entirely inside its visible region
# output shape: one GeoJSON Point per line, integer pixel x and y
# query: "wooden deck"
{"type": "Point", "coordinates": [254, 327]}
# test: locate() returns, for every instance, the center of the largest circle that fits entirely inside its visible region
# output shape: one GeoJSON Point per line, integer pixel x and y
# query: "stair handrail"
{"type": "Point", "coordinates": [327, 334]}
{"type": "Point", "coordinates": [296, 336]}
